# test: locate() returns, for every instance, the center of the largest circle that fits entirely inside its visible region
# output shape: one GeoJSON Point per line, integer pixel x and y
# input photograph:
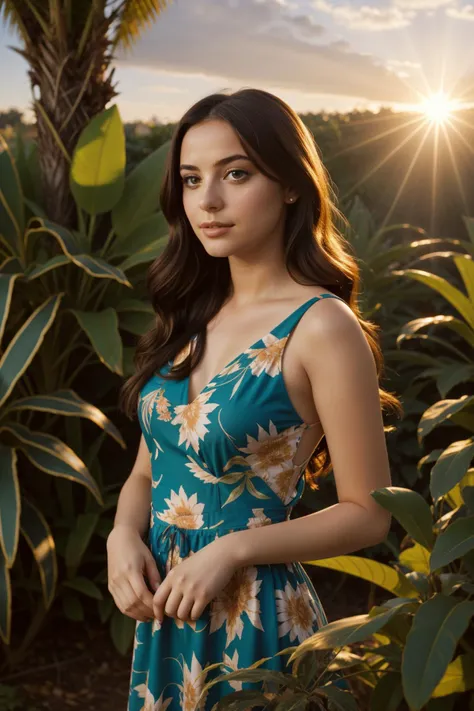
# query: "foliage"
{"type": "Point", "coordinates": [68, 302]}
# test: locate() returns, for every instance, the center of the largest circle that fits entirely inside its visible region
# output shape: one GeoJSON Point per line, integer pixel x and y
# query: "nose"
{"type": "Point", "coordinates": [211, 200]}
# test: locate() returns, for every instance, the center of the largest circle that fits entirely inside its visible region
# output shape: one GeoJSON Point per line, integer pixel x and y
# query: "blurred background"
{"type": "Point", "coordinates": [89, 95]}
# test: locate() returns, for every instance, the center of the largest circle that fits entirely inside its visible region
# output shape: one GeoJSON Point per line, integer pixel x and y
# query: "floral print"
{"type": "Point", "coordinates": [223, 462]}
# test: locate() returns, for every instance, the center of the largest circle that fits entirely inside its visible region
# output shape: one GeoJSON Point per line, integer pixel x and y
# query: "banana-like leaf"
{"type": "Point", "coordinates": [71, 247]}
{"type": "Point", "coordinates": [5, 601]}
{"type": "Point", "coordinates": [135, 316]}
{"type": "Point", "coordinates": [68, 402]}
{"type": "Point", "coordinates": [437, 627]}
{"type": "Point", "coordinates": [348, 630]}
{"type": "Point", "coordinates": [453, 543]}
{"type": "Point", "coordinates": [141, 195]}
{"type": "Point", "coordinates": [382, 575]}
{"type": "Point", "coordinates": [7, 282]}
{"type": "Point", "coordinates": [416, 558]}
{"type": "Point", "coordinates": [451, 467]}
{"type": "Point", "coordinates": [455, 297]}
{"type": "Point", "coordinates": [441, 411]}
{"type": "Point", "coordinates": [455, 324]}
{"type": "Point", "coordinates": [458, 677]}
{"type": "Point", "coordinates": [340, 700]}
{"type": "Point", "coordinates": [12, 211]}
{"type": "Point", "coordinates": [469, 222]}
{"type": "Point", "coordinates": [122, 630]}
{"type": "Point", "coordinates": [411, 511]}
{"type": "Point", "coordinates": [143, 236]}
{"type": "Point", "coordinates": [52, 456]}
{"type": "Point", "coordinates": [40, 539]}
{"type": "Point", "coordinates": [148, 254]}
{"type": "Point", "coordinates": [60, 260]}
{"type": "Point", "coordinates": [10, 506]}
{"type": "Point", "coordinates": [98, 165]}
{"type": "Point", "coordinates": [25, 344]}
{"type": "Point", "coordinates": [388, 694]}
{"type": "Point", "coordinates": [79, 538]}
{"type": "Point", "coordinates": [101, 327]}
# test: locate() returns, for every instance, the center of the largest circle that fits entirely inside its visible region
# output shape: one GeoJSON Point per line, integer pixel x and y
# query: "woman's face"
{"type": "Point", "coordinates": [233, 192]}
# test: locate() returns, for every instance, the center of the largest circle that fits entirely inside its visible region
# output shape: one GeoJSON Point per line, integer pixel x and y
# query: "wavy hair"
{"type": "Point", "coordinates": [188, 287]}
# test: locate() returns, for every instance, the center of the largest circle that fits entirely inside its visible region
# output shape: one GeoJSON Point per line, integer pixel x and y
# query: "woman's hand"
{"type": "Point", "coordinates": [195, 581]}
{"type": "Point", "coordinates": [128, 560]}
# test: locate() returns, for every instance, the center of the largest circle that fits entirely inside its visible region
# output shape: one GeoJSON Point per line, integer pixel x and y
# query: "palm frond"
{"type": "Point", "coordinates": [133, 16]}
{"type": "Point", "coordinates": [11, 13]}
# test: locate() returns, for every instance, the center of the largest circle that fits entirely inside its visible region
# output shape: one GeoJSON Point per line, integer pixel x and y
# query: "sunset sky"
{"type": "Point", "coordinates": [315, 54]}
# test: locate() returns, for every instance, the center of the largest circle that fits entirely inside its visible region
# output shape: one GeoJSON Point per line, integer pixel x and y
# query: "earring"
{"type": "Point", "coordinates": [291, 199]}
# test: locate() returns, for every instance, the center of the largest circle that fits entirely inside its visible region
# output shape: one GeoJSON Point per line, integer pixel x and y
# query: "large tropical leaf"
{"type": "Point", "coordinates": [441, 411]}
{"type": "Point", "coordinates": [144, 236]}
{"type": "Point", "coordinates": [147, 254]}
{"type": "Point", "coordinates": [451, 467]}
{"type": "Point", "coordinates": [437, 627]}
{"type": "Point", "coordinates": [52, 456]}
{"type": "Point", "coordinates": [10, 506]}
{"type": "Point", "coordinates": [40, 539]}
{"type": "Point", "coordinates": [5, 601]}
{"type": "Point", "coordinates": [456, 541]}
{"type": "Point", "coordinates": [7, 282]}
{"type": "Point", "coordinates": [141, 195]}
{"type": "Point", "coordinates": [102, 330]}
{"type": "Point", "coordinates": [25, 344]}
{"type": "Point", "coordinates": [411, 511]}
{"type": "Point", "coordinates": [98, 164]}
{"type": "Point", "coordinates": [382, 575]}
{"type": "Point", "coordinates": [12, 213]}
{"type": "Point", "coordinates": [458, 677]}
{"type": "Point", "coordinates": [67, 402]}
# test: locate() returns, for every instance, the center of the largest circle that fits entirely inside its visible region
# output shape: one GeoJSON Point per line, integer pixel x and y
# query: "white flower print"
{"type": "Point", "coordinates": [193, 419]}
{"type": "Point", "coordinates": [267, 359]}
{"type": "Point", "coordinates": [238, 596]}
{"type": "Point", "coordinates": [150, 703]}
{"type": "Point", "coordinates": [258, 519]}
{"type": "Point", "coordinates": [232, 662]}
{"type": "Point", "coordinates": [191, 688]}
{"type": "Point", "coordinates": [295, 614]}
{"type": "Point", "coordinates": [155, 400]}
{"type": "Point", "coordinates": [183, 511]}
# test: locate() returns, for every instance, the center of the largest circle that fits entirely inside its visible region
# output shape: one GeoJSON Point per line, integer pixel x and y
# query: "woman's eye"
{"type": "Point", "coordinates": [243, 173]}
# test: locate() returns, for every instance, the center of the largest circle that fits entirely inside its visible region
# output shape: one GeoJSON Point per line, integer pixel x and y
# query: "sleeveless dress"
{"type": "Point", "coordinates": [221, 463]}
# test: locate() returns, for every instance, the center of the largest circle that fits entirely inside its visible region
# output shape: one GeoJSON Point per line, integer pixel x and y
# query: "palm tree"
{"type": "Point", "coordinates": [69, 46]}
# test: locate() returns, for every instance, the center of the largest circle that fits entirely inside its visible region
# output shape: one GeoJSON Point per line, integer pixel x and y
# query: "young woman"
{"type": "Point", "coordinates": [254, 270]}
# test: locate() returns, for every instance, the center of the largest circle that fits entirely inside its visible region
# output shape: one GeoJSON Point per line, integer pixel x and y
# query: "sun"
{"type": "Point", "coordinates": [438, 108]}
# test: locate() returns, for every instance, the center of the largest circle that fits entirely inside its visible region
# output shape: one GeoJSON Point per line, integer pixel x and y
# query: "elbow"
{"type": "Point", "coordinates": [383, 528]}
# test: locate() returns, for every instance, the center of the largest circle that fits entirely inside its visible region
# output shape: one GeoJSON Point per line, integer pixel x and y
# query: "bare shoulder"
{"type": "Point", "coordinates": [330, 328]}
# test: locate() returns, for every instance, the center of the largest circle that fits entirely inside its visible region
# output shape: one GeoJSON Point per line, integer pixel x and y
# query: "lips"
{"type": "Point", "coordinates": [210, 225]}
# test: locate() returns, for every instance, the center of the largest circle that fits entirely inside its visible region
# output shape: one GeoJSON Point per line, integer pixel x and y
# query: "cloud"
{"type": "Point", "coordinates": [466, 12]}
{"type": "Point", "coordinates": [422, 4]}
{"type": "Point", "coordinates": [367, 17]}
{"type": "Point", "coordinates": [253, 42]}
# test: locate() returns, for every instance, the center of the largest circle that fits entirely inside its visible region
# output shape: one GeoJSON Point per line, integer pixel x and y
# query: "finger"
{"type": "Point", "coordinates": [197, 609]}
{"type": "Point", "coordinates": [184, 609]}
{"type": "Point", "coordinates": [152, 573]}
{"type": "Point", "coordinates": [142, 593]}
{"type": "Point", "coordinates": [131, 604]}
{"type": "Point", "coordinates": [173, 602]}
{"type": "Point", "coordinates": [160, 598]}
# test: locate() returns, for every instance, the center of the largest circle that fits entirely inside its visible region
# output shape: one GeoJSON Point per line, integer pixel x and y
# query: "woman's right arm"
{"type": "Point", "coordinates": [129, 559]}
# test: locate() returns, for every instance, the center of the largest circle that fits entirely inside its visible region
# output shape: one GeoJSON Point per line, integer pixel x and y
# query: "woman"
{"type": "Point", "coordinates": [228, 425]}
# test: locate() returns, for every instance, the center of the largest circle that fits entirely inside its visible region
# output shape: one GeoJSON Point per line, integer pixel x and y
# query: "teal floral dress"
{"type": "Point", "coordinates": [221, 463]}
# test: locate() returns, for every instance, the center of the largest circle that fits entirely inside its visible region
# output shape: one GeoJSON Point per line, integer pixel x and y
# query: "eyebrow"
{"type": "Point", "coordinates": [222, 161]}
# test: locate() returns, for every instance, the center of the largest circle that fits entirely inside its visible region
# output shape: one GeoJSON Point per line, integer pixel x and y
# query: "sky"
{"type": "Point", "coordinates": [331, 55]}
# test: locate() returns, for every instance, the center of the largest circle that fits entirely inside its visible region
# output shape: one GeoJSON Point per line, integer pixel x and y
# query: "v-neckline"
{"type": "Point", "coordinates": [252, 345]}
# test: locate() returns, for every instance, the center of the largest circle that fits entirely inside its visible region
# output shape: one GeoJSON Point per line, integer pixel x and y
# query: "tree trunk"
{"type": "Point", "coordinates": [69, 88]}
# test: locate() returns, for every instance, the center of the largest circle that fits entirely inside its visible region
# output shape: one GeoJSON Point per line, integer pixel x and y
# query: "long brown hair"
{"type": "Point", "coordinates": [188, 287]}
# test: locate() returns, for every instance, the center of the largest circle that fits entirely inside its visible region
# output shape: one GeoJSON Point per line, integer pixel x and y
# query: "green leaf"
{"type": "Point", "coordinates": [454, 296]}
{"type": "Point", "coordinates": [411, 511]}
{"type": "Point", "coordinates": [388, 693]}
{"type": "Point", "coordinates": [147, 254]}
{"type": "Point", "coordinates": [68, 402]}
{"type": "Point", "coordinates": [7, 282]}
{"type": "Point", "coordinates": [144, 236]}
{"type": "Point", "coordinates": [437, 627]}
{"type": "Point", "coordinates": [84, 586]}
{"type": "Point", "coordinates": [105, 608]}
{"type": "Point", "coordinates": [453, 543]}
{"type": "Point", "coordinates": [451, 466]}
{"type": "Point", "coordinates": [338, 699]}
{"type": "Point", "coordinates": [382, 575]}
{"type": "Point", "coordinates": [348, 630]}
{"type": "Point", "coordinates": [141, 195]}
{"type": "Point", "coordinates": [122, 630]}
{"type": "Point", "coordinates": [80, 537]}
{"type": "Point", "coordinates": [10, 506]}
{"type": "Point", "coordinates": [39, 538]}
{"type": "Point", "coordinates": [25, 344]}
{"type": "Point", "coordinates": [5, 601]}
{"type": "Point", "coordinates": [455, 324]}
{"type": "Point", "coordinates": [458, 677]}
{"type": "Point", "coordinates": [441, 411]}
{"type": "Point", "coordinates": [52, 456]}
{"type": "Point", "coordinates": [60, 260]}
{"type": "Point", "coordinates": [98, 164]}
{"type": "Point", "coordinates": [101, 327]}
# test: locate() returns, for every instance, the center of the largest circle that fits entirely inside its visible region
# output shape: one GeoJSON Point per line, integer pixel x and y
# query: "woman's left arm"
{"type": "Point", "coordinates": [345, 388]}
